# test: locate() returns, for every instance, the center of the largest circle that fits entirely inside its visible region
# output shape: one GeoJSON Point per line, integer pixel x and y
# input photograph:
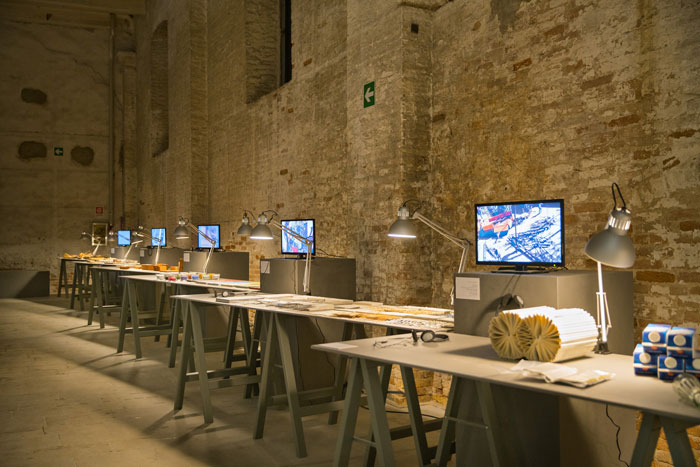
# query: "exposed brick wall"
{"type": "Point", "coordinates": [488, 101]}
{"type": "Point", "coordinates": [159, 89]}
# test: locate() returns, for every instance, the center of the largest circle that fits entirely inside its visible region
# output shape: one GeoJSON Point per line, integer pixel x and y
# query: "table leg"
{"type": "Point", "coordinates": [339, 378]}
{"type": "Point", "coordinates": [93, 294]}
{"type": "Point", "coordinates": [447, 433]}
{"type": "Point", "coordinates": [185, 355]}
{"type": "Point", "coordinates": [61, 276]}
{"type": "Point", "coordinates": [384, 377]}
{"type": "Point", "coordinates": [130, 286]}
{"type": "Point", "coordinates": [159, 304]}
{"type": "Point", "coordinates": [376, 397]}
{"type": "Point", "coordinates": [290, 381]}
{"type": "Point", "coordinates": [175, 330]}
{"type": "Point", "coordinates": [678, 442]}
{"type": "Point", "coordinates": [348, 419]}
{"type": "Point", "coordinates": [493, 430]}
{"type": "Point", "coordinates": [76, 271]}
{"type": "Point", "coordinates": [648, 436]}
{"type": "Point", "coordinates": [414, 414]}
{"type": "Point", "coordinates": [251, 344]}
{"type": "Point", "coordinates": [201, 361]}
{"type": "Point", "coordinates": [126, 308]}
{"type": "Point", "coordinates": [233, 317]}
{"type": "Point", "coordinates": [265, 376]}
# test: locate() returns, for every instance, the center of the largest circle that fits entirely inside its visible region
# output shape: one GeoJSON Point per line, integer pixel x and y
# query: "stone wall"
{"type": "Point", "coordinates": [54, 94]}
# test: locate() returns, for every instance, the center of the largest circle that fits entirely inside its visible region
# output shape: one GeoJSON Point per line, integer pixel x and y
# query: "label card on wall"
{"type": "Point", "coordinates": [467, 288]}
{"type": "Point", "coordinates": [112, 250]}
{"type": "Point", "coordinates": [264, 267]}
{"type": "Point", "coordinates": [186, 257]}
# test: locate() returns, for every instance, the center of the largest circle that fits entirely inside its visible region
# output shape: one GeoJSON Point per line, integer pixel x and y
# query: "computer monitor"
{"type": "Point", "coordinates": [123, 237]}
{"type": "Point", "coordinates": [158, 233]}
{"type": "Point", "coordinates": [212, 231]}
{"type": "Point", "coordinates": [302, 227]}
{"type": "Point", "coordinates": [516, 235]}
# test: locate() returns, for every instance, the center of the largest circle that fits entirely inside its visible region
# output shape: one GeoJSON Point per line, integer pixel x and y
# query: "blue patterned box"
{"type": "Point", "coordinates": [669, 367]}
{"type": "Point", "coordinates": [692, 366]}
{"type": "Point", "coordinates": [654, 337]}
{"type": "Point", "coordinates": [645, 362]}
{"type": "Point", "coordinates": [680, 342]}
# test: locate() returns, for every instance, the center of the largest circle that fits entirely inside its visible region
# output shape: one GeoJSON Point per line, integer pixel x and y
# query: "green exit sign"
{"type": "Point", "coordinates": [57, 151]}
{"type": "Point", "coordinates": [368, 94]}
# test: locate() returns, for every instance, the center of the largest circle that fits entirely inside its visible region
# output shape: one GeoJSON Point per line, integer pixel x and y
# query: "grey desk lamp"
{"type": "Point", "coordinates": [262, 232]}
{"type": "Point", "coordinates": [183, 230]}
{"type": "Point", "coordinates": [94, 238]}
{"type": "Point", "coordinates": [612, 247]}
{"type": "Point", "coordinates": [141, 232]}
{"type": "Point", "coordinates": [404, 228]}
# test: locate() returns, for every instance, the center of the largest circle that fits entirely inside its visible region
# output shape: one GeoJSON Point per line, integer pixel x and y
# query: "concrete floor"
{"type": "Point", "coordinates": [67, 399]}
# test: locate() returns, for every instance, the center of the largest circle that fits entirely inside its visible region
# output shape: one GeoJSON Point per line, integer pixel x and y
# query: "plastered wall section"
{"type": "Point", "coordinates": [46, 201]}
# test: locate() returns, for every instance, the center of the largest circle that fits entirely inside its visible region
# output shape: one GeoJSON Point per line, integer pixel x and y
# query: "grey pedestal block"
{"type": "Point", "coordinates": [330, 277]}
{"type": "Point", "coordinates": [539, 425]}
{"type": "Point", "coordinates": [168, 255]}
{"type": "Point", "coordinates": [120, 251]}
{"type": "Point", "coordinates": [230, 264]}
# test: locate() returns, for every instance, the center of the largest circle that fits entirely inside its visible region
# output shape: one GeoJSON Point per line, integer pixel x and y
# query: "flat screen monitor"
{"type": "Point", "coordinates": [303, 227]}
{"type": "Point", "coordinates": [123, 237]}
{"type": "Point", "coordinates": [212, 231]}
{"type": "Point", "coordinates": [158, 233]}
{"type": "Point", "coordinates": [521, 234]}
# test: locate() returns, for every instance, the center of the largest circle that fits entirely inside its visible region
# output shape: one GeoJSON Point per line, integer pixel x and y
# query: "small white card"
{"type": "Point", "coordinates": [142, 253]}
{"type": "Point", "coordinates": [264, 267]}
{"type": "Point", "coordinates": [186, 257]}
{"type": "Point", "coordinates": [112, 251]}
{"type": "Point", "coordinates": [467, 288]}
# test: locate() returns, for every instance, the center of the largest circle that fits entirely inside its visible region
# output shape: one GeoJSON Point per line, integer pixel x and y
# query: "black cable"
{"type": "Point", "coordinates": [617, 436]}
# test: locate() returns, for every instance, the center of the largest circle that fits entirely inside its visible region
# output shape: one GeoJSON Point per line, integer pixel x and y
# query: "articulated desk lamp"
{"type": "Point", "coordinates": [404, 228]}
{"type": "Point", "coordinates": [611, 247]}
{"type": "Point", "coordinates": [112, 238]}
{"type": "Point", "coordinates": [183, 230]}
{"type": "Point", "coordinates": [140, 232]}
{"type": "Point", "coordinates": [86, 235]}
{"type": "Point", "coordinates": [263, 232]}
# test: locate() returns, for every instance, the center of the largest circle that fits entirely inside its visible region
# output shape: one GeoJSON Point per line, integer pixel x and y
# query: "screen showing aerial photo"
{"type": "Point", "coordinates": [291, 245]}
{"type": "Point", "coordinates": [158, 237]}
{"type": "Point", "coordinates": [211, 231]}
{"type": "Point", "coordinates": [520, 233]}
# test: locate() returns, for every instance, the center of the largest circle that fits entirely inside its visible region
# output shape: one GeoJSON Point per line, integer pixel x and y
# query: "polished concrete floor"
{"type": "Point", "coordinates": [67, 399]}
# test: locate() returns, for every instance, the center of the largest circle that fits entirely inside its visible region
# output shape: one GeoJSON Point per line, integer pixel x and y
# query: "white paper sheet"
{"type": "Point", "coordinates": [467, 288]}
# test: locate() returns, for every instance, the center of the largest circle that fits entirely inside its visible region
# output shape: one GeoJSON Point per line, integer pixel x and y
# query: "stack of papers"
{"type": "Point", "coordinates": [503, 330]}
{"type": "Point", "coordinates": [557, 335]}
{"type": "Point", "coordinates": [558, 373]}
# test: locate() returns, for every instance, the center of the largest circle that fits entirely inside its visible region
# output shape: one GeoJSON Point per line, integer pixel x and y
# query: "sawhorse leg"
{"type": "Point", "coordinates": [185, 355]}
{"type": "Point", "coordinates": [62, 277]}
{"type": "Point", "coordinates": [126, 308]}
{"type": "Point", "coordinates": [130, 287]}
{"type": "Point", "coordinates": [648, 436]}
{"type": "Point", "coordinates": [76, 273]}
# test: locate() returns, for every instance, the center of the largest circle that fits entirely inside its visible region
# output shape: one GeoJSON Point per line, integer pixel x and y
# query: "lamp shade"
{"type": "Point", "coordinates": [181, 232]}
{"type": "Point", "coordinates": [245, 230]}
{"type": "Point", "coordinates": [403, 228]}
{"type": "Point", "coordinates": [612, 246]}
{"type": "Point", "coordinates": [85, 235]}
{"type": "Point", "coordinates": [261, 232]}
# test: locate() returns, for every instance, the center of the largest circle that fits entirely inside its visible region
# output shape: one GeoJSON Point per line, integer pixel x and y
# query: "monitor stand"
{"type": "Point", "coordinates": [522, 269]}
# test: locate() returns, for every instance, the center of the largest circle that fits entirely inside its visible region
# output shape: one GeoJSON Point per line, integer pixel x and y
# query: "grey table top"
{"type": "Point", "coordinates": [254, 305]}
{"type": "Point", "coordinates": [473, 358]}
{"type": "Point", "coordinates": [191, 283]}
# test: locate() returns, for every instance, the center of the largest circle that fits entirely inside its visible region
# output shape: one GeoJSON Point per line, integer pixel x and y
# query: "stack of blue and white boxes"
{"type": "Point", "coordinates": [666, 352]}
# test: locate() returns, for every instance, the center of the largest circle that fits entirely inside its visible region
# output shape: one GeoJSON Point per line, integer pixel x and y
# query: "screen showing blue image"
{"type": "Point", "coordinates": [302, 227]}
{"type": "Point", "coordinates": [211, 231]}
{"type": "Point", "coordinates": [123, 237]}
{"type": "Point", "coordinates": [158, 234]}
{"type": "Point", "coordinates": [528, 232]}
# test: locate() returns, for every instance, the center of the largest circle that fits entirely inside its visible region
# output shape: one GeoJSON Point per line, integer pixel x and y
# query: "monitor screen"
{"type": "Point", "coordinates": [158, 234]}
{"type": "Point", "coordinates": [520, 234]}
{"type": "Point", "coordinates": [303, 227]}
{"type": "Point", "coordinates": [212, 231]}
{"type": "Point", "coordinates": [123, 237]}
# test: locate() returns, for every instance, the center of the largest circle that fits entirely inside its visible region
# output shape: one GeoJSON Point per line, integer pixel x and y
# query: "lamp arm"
{"type": "Point", "coordinates": [459, 241]}
{"type": "Point", "coordinates": [305, 241]}
{"type": "Point", "coordinates": [94, 252]}
{"type": "Point", "coordinates": [207, 238]}
{"type": "Point", "coordinates": [128, 250]}
{"type": "Point", "coordinates": [160, 242]}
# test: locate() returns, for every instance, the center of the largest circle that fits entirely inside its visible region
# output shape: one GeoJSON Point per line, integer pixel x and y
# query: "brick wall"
{"type": "Point", "coordinates": [475, 101]}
